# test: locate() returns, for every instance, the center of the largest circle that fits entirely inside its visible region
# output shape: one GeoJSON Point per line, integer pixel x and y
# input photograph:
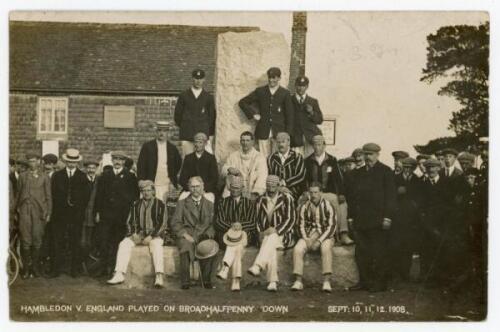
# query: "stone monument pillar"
{"type": "Point", "coordinates": [242, 62]}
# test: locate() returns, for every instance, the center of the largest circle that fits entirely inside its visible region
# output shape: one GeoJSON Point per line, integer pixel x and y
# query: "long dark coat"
{"type": "Point", "coordinates": [63, 189]}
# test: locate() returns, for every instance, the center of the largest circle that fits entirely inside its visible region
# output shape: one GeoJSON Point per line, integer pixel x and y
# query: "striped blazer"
{"type": "Point", "coordinates": [135, 225]}
{"type": "Point", "coordinates": [325, 222]}
{"type": "Point", "coordinates": [283, 218]}
{"type": "Point", "coordinates": [229, 212]}
{"type": "Point", "coordinates": [293, 171]}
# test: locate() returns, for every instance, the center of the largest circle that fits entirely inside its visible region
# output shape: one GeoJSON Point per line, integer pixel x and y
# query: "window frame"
{"type": "Point", "coordinates": [53, 114]}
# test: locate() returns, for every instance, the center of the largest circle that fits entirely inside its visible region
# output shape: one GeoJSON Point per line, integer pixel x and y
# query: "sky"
{"type": "Point", "coordinates": [364, 67]}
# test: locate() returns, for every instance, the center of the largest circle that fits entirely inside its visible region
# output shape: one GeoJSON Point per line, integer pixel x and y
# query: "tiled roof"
{"type": "Point", "coordinates": [111, 58]}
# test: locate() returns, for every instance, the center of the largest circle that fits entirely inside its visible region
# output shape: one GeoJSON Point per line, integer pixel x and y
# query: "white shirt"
{"type": "Point", "coordinates": [450, 170]}
{"type": "Point", "coordinates": [70, 172]}
{"type": "Point", "coordinates": [284, 157]}
{"type": "Point", "coordinates": [321, 158]}
{"type": "Point", "coordinates": [161, 178]}
{"type": "Point", "coordinates": [299, 97]}
{"type": "Point", "coordinates": [196, 92]}
{"type": "Point", "coordinates": [273, 90]}
{"type": "Point", "coordinates": [198, 154]}
{"type": "Point", "coordinates": [117, 170]}
{"type": "Point", "coordinates": [91, 178]}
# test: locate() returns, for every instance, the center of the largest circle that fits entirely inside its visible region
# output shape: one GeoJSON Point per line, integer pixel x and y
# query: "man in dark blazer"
{"type": "Point", "coordinates": [306, 119]}
{"type": "Point", "coordinates": [70, 194]}
{"type": "Point", "coordinates": [200, 163]}
{"type": "Point", "coordinates": [271, 106]}
{"type": "Point", "coordinates": [371, 200]}
{"type": "Point", "coordinates": [192, 223]}
{"type": "Point", "coordinates": [159, 165]}
{"type": "Point", "coordinates": [88, 230]}
{"type": "Point", "coordinates": [116, 191]}
{"type": "Point", "coordinates": [195, 113]}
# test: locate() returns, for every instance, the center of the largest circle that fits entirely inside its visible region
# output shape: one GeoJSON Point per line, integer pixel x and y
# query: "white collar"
{"type": "Point", "coordinates": [70, 171]}
{"type": "Point", "coordinates": [284, 156]}
{"type": "Point", "coordinates": [161, 142]}
{"type": "Point", "coordinates": [299, 96]}
{"type": "Point", "coordinates": [196, 92]}
{"type": "Point", "coordinates": [117, 171]}
{"type": "Point", "coordinates": [273, 90]}
{"type": "Point", "coordinates": [435, 179]}
{"type": "Point", "coordinates": [199, 154]}
{"type": "Point", "coordinates": [321, 158]}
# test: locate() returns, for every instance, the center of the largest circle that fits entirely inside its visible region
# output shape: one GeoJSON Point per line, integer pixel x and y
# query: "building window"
{"type": "Point", "coordinates": [52, 115]}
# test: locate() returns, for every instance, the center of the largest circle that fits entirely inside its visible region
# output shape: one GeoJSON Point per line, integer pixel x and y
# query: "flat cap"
{"type": "Point", "coordinates": [471, 171]}
{"type": "Point", "coordinates": [423, 156]}
{"type": "Point", "coordinates": [400, 154]}
{"type": "Point", "coordinates": [198, 73]}
{"type": "Point", "coordinates": [432, 163]}
{"type": "Point", "coordinates": [119, 154]}
{"type": "Point", "coordinates": [438, 153]}
{"type": "Point", "coordinates": [450, 151]}
{"type": "Point", "coordinates": [236, 182]}
{"type": "Point", "coordinates": [302, 81]}
{"type": "Point", "coordinates": [409, 162]}
{"type": "Point", "coordinates": [466, 156]}
{"type": "Point", "coordinates": [201, 136]}
{"type": "Point", "coordinates": [357, 152]}
{"type": "Point", "coordinates": [90, 162]}
{"type": "Point", "coordinates": [274, 72]}
{"type": "Point", "coordinates": [318, 138]}
{"type": "Point", "coordinates": [272, 179]}
{"type": "Point", "coordinates": [371, 148]}
{"type": "Point", "coordinates": [50, 158]}
{"type": "Point", "coordinates": [145, 184]}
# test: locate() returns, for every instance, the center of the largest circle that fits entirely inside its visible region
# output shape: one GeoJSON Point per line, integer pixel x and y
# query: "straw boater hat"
{"type": "Point", "coordinates": [206, 249]}
{"type": "Point", "coordinates": [233, 238]}
{"type": "Point", "coordinates": [72, 155]}
{"type": "Point", "coordinates": [162, 125]}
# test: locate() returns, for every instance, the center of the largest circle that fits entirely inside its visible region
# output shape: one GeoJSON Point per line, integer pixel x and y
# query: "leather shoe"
{"type": "Point", "coordinates": [357, 287]}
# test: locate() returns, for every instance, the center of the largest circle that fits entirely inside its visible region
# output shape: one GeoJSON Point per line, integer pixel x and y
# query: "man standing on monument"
{"type": "Point", "coordinates": [159, 161]}
{"type": "Point", "coordinates": [195, 113]}
{"type": "Point", "coordinates": [271, 106]}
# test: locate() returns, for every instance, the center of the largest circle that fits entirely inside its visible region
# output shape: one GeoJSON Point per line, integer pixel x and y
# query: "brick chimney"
{"type": "Point", "coordinates": [298, 51]}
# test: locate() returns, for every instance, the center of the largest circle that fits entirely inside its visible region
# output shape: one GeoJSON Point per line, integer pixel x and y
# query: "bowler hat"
{"type": "Point", "coordinates": [72, 155]}
{"type": "Point", "coordinates": [206, 249]}
{"type": "Point", "coordinates": [233, 238]}
{"type": "Point", "coordinates": [50, 158]}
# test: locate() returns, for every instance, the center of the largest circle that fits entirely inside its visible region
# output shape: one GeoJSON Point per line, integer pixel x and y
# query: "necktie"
{"type": "Point", "coordinates": [447, 172]}
{"type": "Point", "coordinates": [301, 99]}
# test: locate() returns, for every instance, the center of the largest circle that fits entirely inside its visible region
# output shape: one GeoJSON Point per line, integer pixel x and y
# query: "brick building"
{"type": "Point", "coordinates": [66, 79]}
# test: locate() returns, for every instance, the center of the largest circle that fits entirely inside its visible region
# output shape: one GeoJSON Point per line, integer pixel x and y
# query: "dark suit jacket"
{"type": "Point", "coordinates": [115, 195]}
{"type": "Point", "coordinates": [328, 174]}
{"type": "Point", "coordinates": [276, 111]}
{"type": "Point", "coordinates": [90, 209]}
{"type": "Point", "coordinates": [194, 115]}
{"type": "Point", "coordinates": [371, 196]}
{"type": "Point", "coordinates": [148, 162]}
{"type": "Point", "coordinates": [409, 198]}
{"type": "Point", "coordinates": [75, 189]}
{"type": "Point", "coordinates": [205, 166]}
{"type": "Point", "coordinates": [305, 124]}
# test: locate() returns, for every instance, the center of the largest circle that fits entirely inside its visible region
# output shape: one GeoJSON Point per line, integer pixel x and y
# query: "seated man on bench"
{"type": "Point", "coordinates": [145, 225]}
